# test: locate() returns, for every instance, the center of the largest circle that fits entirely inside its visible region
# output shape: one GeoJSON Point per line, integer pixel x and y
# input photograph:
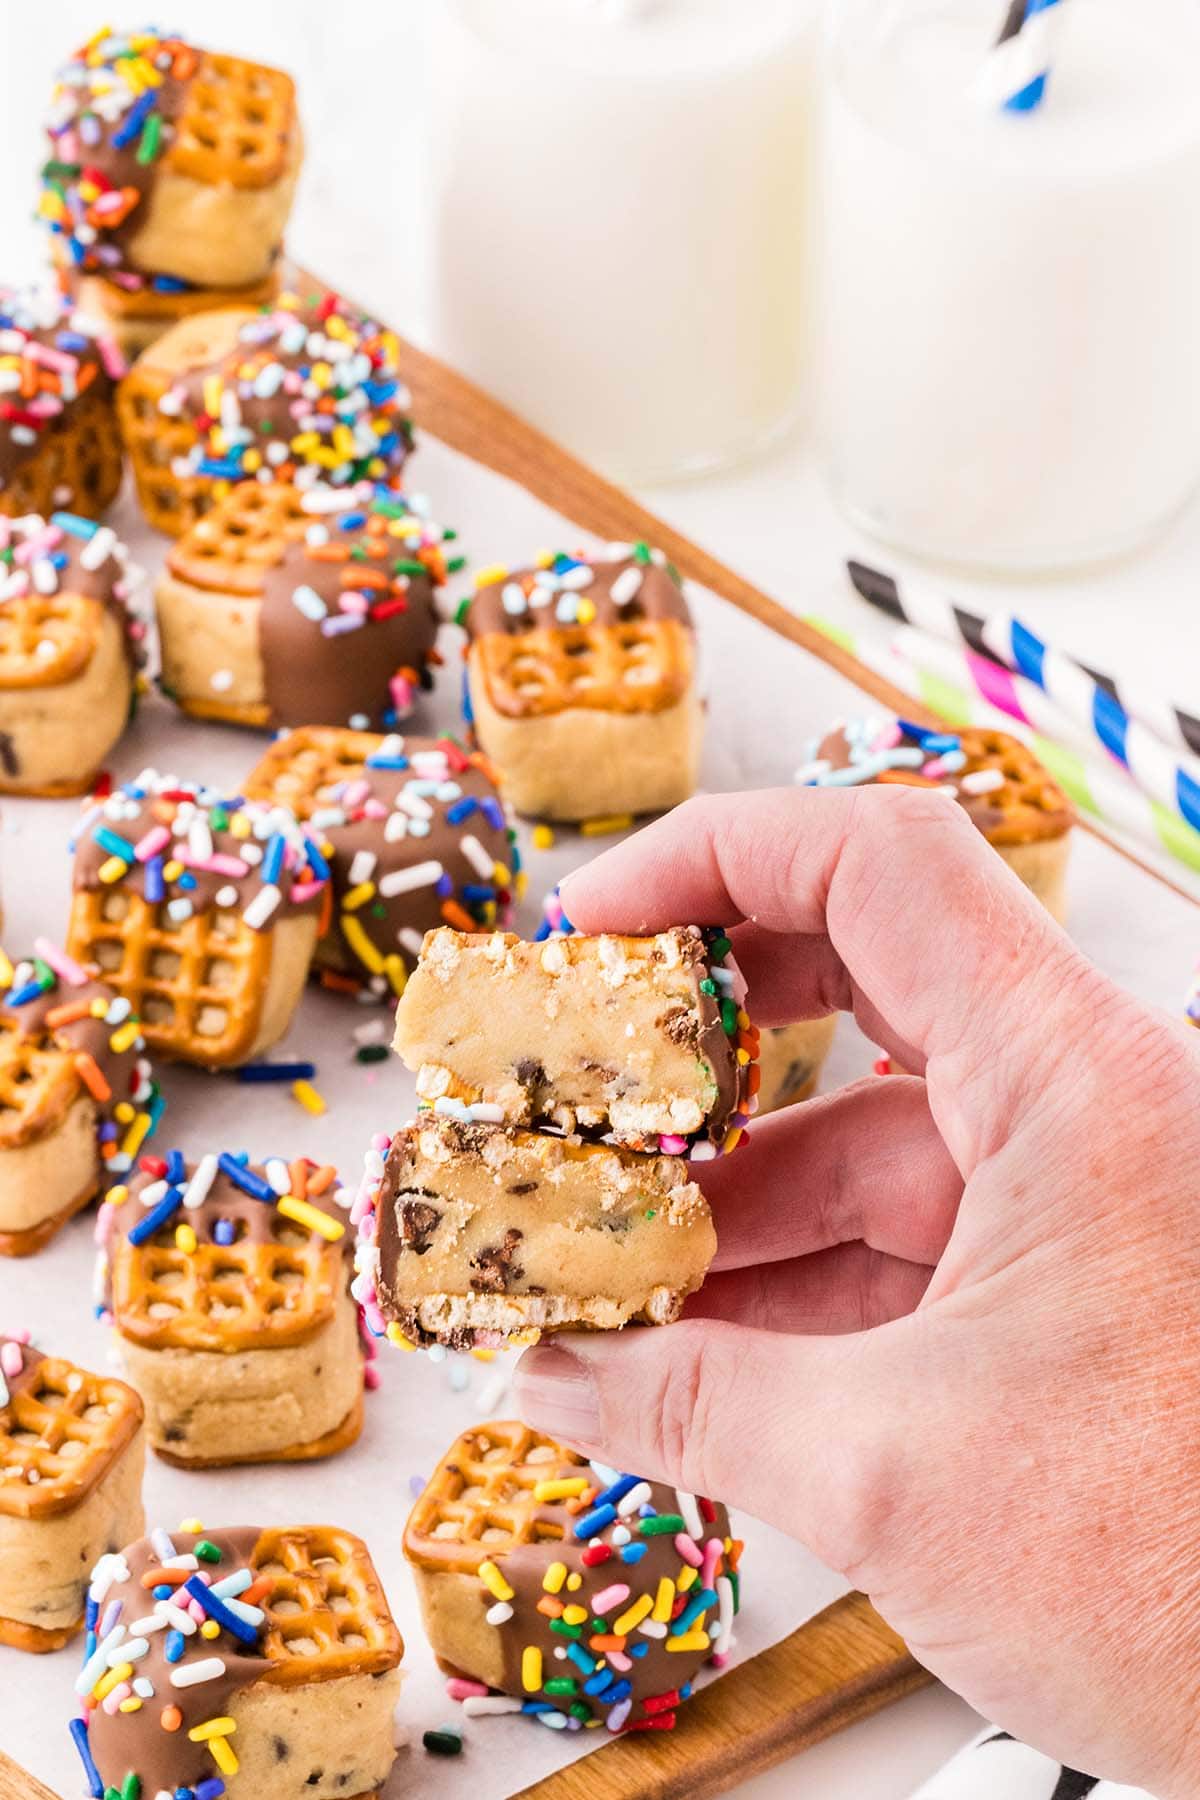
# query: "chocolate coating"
{"type": "Point", "coordinates": [58, 355]}
{"type": "Point", "coordinates": [89, 1036]}
{"type": "Point", "coordinates": [25, 1379]}
{"type": "Point", "coordinates": [534, 598]}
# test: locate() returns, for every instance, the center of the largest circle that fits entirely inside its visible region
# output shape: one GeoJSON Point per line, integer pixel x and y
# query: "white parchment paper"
{"type": "Point", "coordinates": [765, 698]}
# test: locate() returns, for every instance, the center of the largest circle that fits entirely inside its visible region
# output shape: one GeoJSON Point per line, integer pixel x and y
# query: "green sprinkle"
{"type": "Point", "coordinates": [151, 139]}
{"type": "Point", "coordinates": [131, 1787]}
{"type": "Point", "coordinates": [206, 1550]}
{"type": "Point", "coordinates": [651, 1212]}
{"type": "Point", "coordinates": [408, 565]}
{"type": "Point", "coordinates": [641, 554]}
{"type": "Point", "coordinates": [729, 1017]}
{"type": "Point", "coordinates": [719, 949]}
{"type": "Point", "coordinates": [708, 985]}
{"type": "Point", "coordinates": [571, 1631]}
{"type": "Point", "coordinates": [371, 1053]}
{"type": "Point", "coordinates": [69, 169]}
{"type": "Point", "coordinates": [218, 818]}
{"type": "Point", "coordinates": [455, 565]}
{"type": "Point", "coordinates": [462, 609]}
{"type": "Point", "coordinates": [389, 509]}
{"type": "Point", "coordinates": [661, 1524]}
{"type": "Point", "coordinates": [579, 1711]}
{"type": "Point", "coordinates": [735, 1582]}
{"type": "Point", "coordinates": [562, 1685]}
{"type": "Point", "coordinates": [442, 1743]}
{"type": "Point", "coordinates": [46, 977]}
{"type": "Point", "coordinates": [449, 537]}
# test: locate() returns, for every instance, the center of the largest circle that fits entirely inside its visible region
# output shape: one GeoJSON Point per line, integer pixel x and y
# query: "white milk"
{"type": "Point", "coordinates": [618, 218]}
{"type": "Point", "coordinates": [1010, 342]}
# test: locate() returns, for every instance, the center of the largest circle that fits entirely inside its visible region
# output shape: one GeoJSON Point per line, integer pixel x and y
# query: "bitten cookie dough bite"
{"type": "Point", "coordinates": [59, 445]}
{"type": "Point", "coordinates": [77, 1096]}
{"type": "Point", "coordinates": [267, 1663]}
{"type": "Point", "coordinates": [72, 642]}
{"type": "Point", "coordinates": [578, 1592]}
{"type": "Point", "coordinates": [168, 166]}
{"type": "Point", "coordinates": [480, 1235]}
{"type": "Point", "coordinates": [72, 1452]}
{"type": "Point", "coordinates": [581, 684]}
{"type": "Point", "coordinates": [228, 1285]}
{"type": "Point", "coordinates": [275, 612]}
{"type": "Point", "coordinates": [307, 392]}
{"type": "Point", "coordinates": [201, 909]}
{"type": "Point", "coordinates": [644, 1039]}
{"type": "Point", "coordinates": [415, 831]}
{"type": "Point", "coordinates": [1004, 790]}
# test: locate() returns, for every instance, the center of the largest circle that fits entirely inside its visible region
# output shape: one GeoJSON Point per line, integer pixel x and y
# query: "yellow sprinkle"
{"type": "Point", "coordinates": [361, 944]}
{"type": "Point", "coordinates": [743, 1057]}
{"type": "Point", "coordinates": [603, 827]}
{"type": "Point", "coordinates": [132, 1142]}
{"type": "Point", "coordinates": [194, 1526]}
{"type": "Point", "coordinates": [307, 1095]}
{"type": "Point", "coordinates": [222, 1755]}
{"type": "Point", "coordinates": [172, 870]}
{"type": "Point", "coordinates": [574, 1615]}
{"type": "Point", "coordinates": [252, 461]}
{"type": "Point", "coordinates": [114, 1678]}
{"type": "Point", "coordinates": [554, 1577]}
{"type": "Point", "coordinates": [343, 442]}
{"type": "Point", "coordinates": [685, 1579]}
{"type": "Point", "coordinates": [239, 826]}
{"type": "Point", "coordinates": [305, 441]}
{"type": "Point", "coordinates": [494, 1581]}
{"type": "Point", "coordinates": [185, 1239]}
{"type": "Point", "coordinates": [633, 1615]}
{"type": "Point", "coordinates": [6, 971]}
{"type": "Point", "coordinates": [732, 1138]}
{"type": "Point", "coordinates": [304, 1213]}
{"type": "Point", "coordinates": [692, 1640]}
{"type": "Point", "coordinates": [212, 1728]}
{"type": "Point", "coordinates": [520, 1339]}
{"type": "Point", "coordinates": [395, 1336]}
{"type": "Point", "coordinates": [124, 1113]}
{"type": "Point", "coordinates": [531, 1669]}
{"type": "Point", "coordinates": [358, 896]}
{"type": "Point", "coordinates": [133, 1704]}
{"type": "Point", "coordinates": [574, 1583]}
{"type": "Point", "coordinates": [124, 1037]}
{"type": "Point", "coordinates": [210, 1629]}
{"type": "Point", "coordinates": [561, 1490]}
{"type": "Point", "coordinates": [501, 875]}
{"type": "Point", "coordinates": [543, 837]}
{"type": "Point", "coordinates": [112, 868]}
{"type": "Point", "coordinates": [211, 390]}
{"type": "Point", "coordinates": [493, 572]}
{"type": "Point", "coordinates": [585, 611]}
{"type": "Point", "coordinates": [396, 973]}
{"type": "Point", "coordinates": [484, 1355]}
{"type": "Point", "coordinates": [519, 886]}
{"type": "Point", "coordinates": [117, 1196]}
{"type": "Point", "coordinates": [743, 1019]}
{"type": "Point", "coordinates": [664, 1600]}
{"type": "Point", "coordinates": [543, 559]}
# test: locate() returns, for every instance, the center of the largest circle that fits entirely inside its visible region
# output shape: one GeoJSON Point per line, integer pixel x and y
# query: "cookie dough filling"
{"type": "Point", "coordinates": [72, 640]}
{"type": "Point", "coordinates": [307, 392]}
{"type": "Point", "coordinates": [475, 1235]}
{"type": "Point", "coordinates": [228, 1285]}
{"type": "Point", "coordinates": [1004, 790]}
{"type": "Point", "coordinates": [416, 833]}
{"type": "Point", "coordinates": [72, 1452]}
{"type": "Point", "coordinates": [58, 373]}
{"type": "Point", "coordinates": [644, 1040]}
{"type": "Point", "coordinates": [581, 683]}
{"type": "Point", "coordinates": [584, 1595]}
{"type": "Point", "coordinates": [275, 613]}
{"type": "Point", "coordinates": [201, 909]}
{"type": "Point", "coordinates": [266, 1663]}
{"type": "Point", "coordinates": [77, 1095]}
{"type": "Point", "coordinates": [169, 166]}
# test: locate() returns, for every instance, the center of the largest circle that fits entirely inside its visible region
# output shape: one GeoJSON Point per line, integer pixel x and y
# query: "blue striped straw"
{"type": "Point", "coordinates": [1017, 70]}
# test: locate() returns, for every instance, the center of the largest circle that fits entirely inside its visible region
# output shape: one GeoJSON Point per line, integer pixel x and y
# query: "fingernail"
{"type": "Point", "coordinates": [556, 1393]}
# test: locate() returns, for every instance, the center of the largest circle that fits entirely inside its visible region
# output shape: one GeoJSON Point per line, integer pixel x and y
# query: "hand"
{"type": "Point", "coordinates": [952, 1339]}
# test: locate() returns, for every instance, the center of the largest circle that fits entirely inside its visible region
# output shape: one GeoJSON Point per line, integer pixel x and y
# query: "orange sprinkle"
{"type": "Point", "coordinates": [342, 984]}
{"type": "Point", "coordinates": [258, 1591]}
{"type": "Point", "coordinates": [92, 1076]}
{"type": "Point", "coordinates": [754, 1081]}
{"type": "Point", "coordinates": [164, 1577]}
{"type": "Point", "coordinates": [606, 1642]}
{"type": "Point", "coordinates": [335, 553]}
{"type": "Point", "coordinates": [363, 576]}
{"type": "Point", "coordinates": [907, 778]}
{"type": "Point", "coordinates": [322, 1179]}
{"type": "Point", "coordinates": [298, 1177]}
{"type": "Point", "coordinates": [67, 1015]}
{"type": "Point", "coordinates": [325, 916]}
{"type": "Point", "coordinates": [550, 1606]}
{"type": "Point", "coordinates": [170, 1718]}
{"type": "Point", "coordinates": [458, 916]}
{"type": "Point", "coordinates": [184, 63]}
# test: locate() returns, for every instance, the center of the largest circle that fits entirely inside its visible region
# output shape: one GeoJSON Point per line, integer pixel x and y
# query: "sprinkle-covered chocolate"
{"type": "Point", "coordinates": [625, 585]}
{"type": "Point", "coordinates": [50, 356]}
{"type": "Point", "coordinates": [51, 570]}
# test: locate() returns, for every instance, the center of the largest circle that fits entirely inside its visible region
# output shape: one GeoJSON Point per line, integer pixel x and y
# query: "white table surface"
{"type": "Point", "coordinates": [358, 220]}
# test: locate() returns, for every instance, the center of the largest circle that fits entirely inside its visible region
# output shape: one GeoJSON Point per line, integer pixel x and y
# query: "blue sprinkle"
{"type": "Point", "coordinates": [156, 887]}
{"type": "Point", "coordinates": [612, 1496]}
{"type": "Point", "coordinates": [594, 1521]}
{"type": "Point", "coordinates": [134, 119]}
{"type": "Point", "coordinates": [212, 1789]}
{"type": "Point", "coordinates": [73, 525]}
{"type": "Point", "coordinates": [478, 891]}
{"type": "Point", "coordinates": [697, 1604]}
{"type": "Point", "coordinates": [186, 881]}
{"type": "Point", "coordinates": [66, 340]}
{"type": "Point", "coordinates": [633, 1553]}
{"type": "Point", "coordinates": [462, 809]}
{"type": "Point", "coordinates": [114, 844]}
{"type": "Point", "coordinates": [169, 284]}
{"type": "Point", "coordinates": [387, 762]}
{"type": "Point", "coordinates": [33, 990]}
{"type": "Point", "coordinates": [621, 1691]}
{"type": "Point", "coordinates": [493, 812]}
{"type": "Point", "coordinates": [598, 1682]}
{"type": "Point", "coordinates": [579, 1656]}
{"type": "Point", "coordinates": [277, 1071]}
{"type": "Point", "coordinates": [157, 1216]}
{"type": "Point", "coordinates": [176, 1642]}
{"type": "Point", "coordinates": [176, 1167]}
{"type": "Point", "coordinates": [639, 1650]}
{"type": "Point", "coordinates": [226, 469]}
{"type": "Point", "coordinates": [538, 1706]}
{"type": "Point", "coordinates": [162, 1592]}
{"type": "Point", "coordinates": [79, 1733]}
{"type": "Point", "coordinates": [244, 1178]}
{"type": "Point", "coordinates": [216, 1609]}
{"type": "Point", "coordinates": [352, 521]}
{"type": "Point", "coordinates": [444, 887]}
{"type": "Point", "coordinates": [685, 1692]}
{"type": "Point", "coordinates": [272, 862]}
{"type": "Point", "coordinates": [316, 859]}
{"type": "Point", "coordinates": [91, 1613]}
{"type": "Point", "coordinates": [223, 1233]}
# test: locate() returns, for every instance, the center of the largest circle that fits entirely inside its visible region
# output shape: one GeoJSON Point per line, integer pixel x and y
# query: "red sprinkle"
{"type": "Point", "coordinates": [657, 1703]}
{"type": "Point", "coordinates": [661, 1722]}
{"type": "Point", "coordinates": [595, 1554]}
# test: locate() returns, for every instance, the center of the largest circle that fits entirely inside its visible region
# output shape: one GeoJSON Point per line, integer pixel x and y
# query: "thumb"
{"type": "Point", "coordinates": [807, 1433]}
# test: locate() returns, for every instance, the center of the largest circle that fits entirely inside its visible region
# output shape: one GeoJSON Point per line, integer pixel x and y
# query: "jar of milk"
{"type": "Point", "coordinates": [1010, 304]}
{"type": "Point", "coordinates": [617, 244]}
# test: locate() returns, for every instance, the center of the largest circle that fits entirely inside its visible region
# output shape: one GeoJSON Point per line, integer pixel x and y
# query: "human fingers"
{"type": "Point", "coordinates": [847, 1288]}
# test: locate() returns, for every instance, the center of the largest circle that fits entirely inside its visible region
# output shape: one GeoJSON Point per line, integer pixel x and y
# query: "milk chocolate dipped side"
{"type": "Point", "coordinates": [570, 590]}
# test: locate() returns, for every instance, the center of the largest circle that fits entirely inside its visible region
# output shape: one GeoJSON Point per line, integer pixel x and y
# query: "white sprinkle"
{"type": "Point", "coordinates": [512, 598]}
{"type": "Point", "coordinates": [221, 680]}
{"type": "Point", "coordinates": [637, 1496]}
{"type": "Point", "coordinates": [627, 585]}
{"type": "Point", "coordinates": [179, 911]}
{"type": "Point", "coordinates": [143, 1689]}
{"type": "Point", "coordinates": [499, 1614]}
{"type": "Point", "coordinates": [132, 1650]}
{"type": "Point", "coordinates": [227, 896]}
{"type": "Point", "coordinates": [144, 1627]}
{"type": "Point", "coordinates": [983, 781]}
{"type": "Point", "coordinates": [651, 1629]}
{"type": "Point", "coordinates": [196, 1192]}
{"type": "Point", "coordinates": [281, 1181]}
{"type": "Point", "coordinates": [45, 576]}
{"type": "Point", "coordinates": [395, 827]}
{"type": "Point", "coordinates": [362, 867]}
{"type": "Point", "coordinates": [262, 906]}
{"type": "Point", "coordinates": [403, 881]}
{"type": "Point", "coordinates": [98, 548]}
{"type": "Point", "coordinates": [693, 1524]}
{"type": "Point", "coordinates": [482, 1706]}
{"type": "Point", "coordinates": [621, 1536]}
{"type": "Point", "coordinates": [152, 1194]}
{"type": "Point", "coordinates": [483, 864]}
{"type": "Point", "coordinates": [200, 839]}
{"type": "Point", "coordinates": [175, 1615]}
{"type": "Point", "coordinates": [306, 600]}
{"type": "Point", "coordinates": [192, 1674]}
{"type": "Point", "coordinates": [409, 939]}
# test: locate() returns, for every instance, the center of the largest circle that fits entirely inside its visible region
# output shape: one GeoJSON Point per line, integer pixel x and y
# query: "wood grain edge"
{"type": "Point", "coordinates": [841, 1666]}
{"type": "Point", "coordinates": [17, 1783]}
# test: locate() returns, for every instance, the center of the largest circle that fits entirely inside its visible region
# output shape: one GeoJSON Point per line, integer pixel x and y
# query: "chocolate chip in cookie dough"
{"type": "Point", "coordinates": [8, 755]}
{"type": "Point", "coordinates": [494, 1266]}
{"type": "Point", "coordinates": [418, 1220]}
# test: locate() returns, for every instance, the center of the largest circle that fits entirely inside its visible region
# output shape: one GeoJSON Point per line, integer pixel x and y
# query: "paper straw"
{"type": "Point", "coordinates": [997, 1767]}
{"type": "Point", "coordinates": [1102, 792]}
{"type": "Point", "coordinates": [1016, 70]}
{"type": "Point", "coordinates": [1141, 738]}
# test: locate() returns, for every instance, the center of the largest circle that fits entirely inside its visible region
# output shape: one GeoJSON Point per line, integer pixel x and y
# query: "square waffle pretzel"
{"type": "Point", "coordinates": [68, 623]}
{"type": "Point", "coordinates": [327, 1615]}
{"type": "Point", "coordinates": [230, 548]}
{"type": "Point", "coordinates": [235, 125]}
{"type": "Point", "coordinates": [1031, 801]}
{"type": "Point", "coordinates": [300, 769]}
{"type": "Point", "coordinates": [226, 1297]}
{"type": "Point", "coordinates": [79, 454]}
{"type": "Point", "coordinates": [38, 1083]}
{"type": "Point", "coordinates": [644, 665]}
{"type": "Point", "coordinates": [198, 987]}
{"type": "Point", "coordinates": [479, 1503]}
{"type": "Point", "coordinates": [60, 1436]}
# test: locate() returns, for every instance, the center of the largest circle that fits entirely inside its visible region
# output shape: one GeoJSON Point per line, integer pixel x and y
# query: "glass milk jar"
{"type": "Point", "coordinates": [617, 227]}
{"type": "Point", "coordinates": [1010, 307]}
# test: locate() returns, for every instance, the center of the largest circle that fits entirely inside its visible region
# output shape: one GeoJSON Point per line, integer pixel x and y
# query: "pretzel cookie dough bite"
{"type": "Point", "coordinates": [1005, 791]}
{"type": "Point", "coordinates": [59, 445]}
{"type": "Point", "coordinates": [478, 1236]}
{"type": "Point", "coordinates": [415, 833]}
{"type": "Point", "coordinates": [77, 1096]}
{"type": "Point", "coordinates": [72, 639]}
{"type": "Point", "coordinates": [307, 392]}
{"type": "Point", "coordinates": [168, 166]}
{"type": "Point", "coordinates": [644, 1039]}
{"type": "Point", "coordinates": [267, 1663]}
{"type": "Point", "coordinates": [275, 614]}
{"type": "Point", "coordinates": [228, 1286]}
{"type": "Point", "coordinates": [72, 1451]}
{"type": "Point", "coordinates": [201, 910]}
{"type": "Point", "coordinates": [581, 1594]}
{"type": "Point", "coordinates": [581, 684]}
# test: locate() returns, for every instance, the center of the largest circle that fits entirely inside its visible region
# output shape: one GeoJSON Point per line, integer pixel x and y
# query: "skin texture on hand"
{"type": "Point", "coordinates": [952, 1339]}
